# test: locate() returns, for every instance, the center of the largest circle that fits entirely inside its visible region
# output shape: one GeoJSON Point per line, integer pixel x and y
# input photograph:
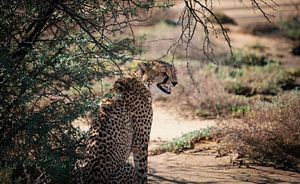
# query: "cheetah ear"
{"type": "Point", "coordinates": [142, 68]}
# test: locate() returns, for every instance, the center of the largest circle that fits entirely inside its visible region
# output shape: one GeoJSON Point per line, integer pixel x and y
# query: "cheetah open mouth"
{"type": "Point", "coordinates": [164, 88]}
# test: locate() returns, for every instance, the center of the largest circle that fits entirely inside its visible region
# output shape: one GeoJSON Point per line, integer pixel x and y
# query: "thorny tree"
{"type": "Point", "coordinates": [51, 53]}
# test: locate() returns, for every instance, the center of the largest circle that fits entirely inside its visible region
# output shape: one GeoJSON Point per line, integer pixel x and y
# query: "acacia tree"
{"type": "Point", "coordinates": [51, 51]}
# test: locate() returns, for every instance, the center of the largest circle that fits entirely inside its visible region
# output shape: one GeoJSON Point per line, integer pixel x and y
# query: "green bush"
{"type": "Point", "coordinates": [233, 108]}
{"type": "Point", "coordinates": [258, 46]}
{"type": "Point", "coordinates": [240, 58]}
{"type": "Point", "coordinates": [240, 110]}
{"type": "Point", "coordinates": [222, 18]}
{"type": "Point", "coordinates": [5, 175]}
{"type": "Point", "coordinates": [260, 28]}
{"type": "Point", "coordinates": [254, 74]}
{"type": "Point", "coordinates": [185, 142]}
{"type": "Point", "coordinates": [295, 72]}
{"type": "Point", "coordinates": [290, 28]}
{"type": "Point", "coordinates": [204, 113]}
{"type": "Point", "coordinates": [267, 80]}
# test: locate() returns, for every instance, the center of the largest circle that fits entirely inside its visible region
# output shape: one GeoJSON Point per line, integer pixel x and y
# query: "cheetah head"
{"type": "Point", "coordinates": [158, 76]}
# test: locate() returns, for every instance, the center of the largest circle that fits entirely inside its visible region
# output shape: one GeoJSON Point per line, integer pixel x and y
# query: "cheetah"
{"type": "Point", "coordinates": [123, 127]}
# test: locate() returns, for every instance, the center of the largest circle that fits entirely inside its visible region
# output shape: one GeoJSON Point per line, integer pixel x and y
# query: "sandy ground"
{"type": "Point", "coordinates": [204, 167]}
{"type": "Point", "coordinates": [166, 125]}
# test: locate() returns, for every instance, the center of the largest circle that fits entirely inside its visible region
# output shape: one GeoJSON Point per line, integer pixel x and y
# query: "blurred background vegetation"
{"type": "Point", "coordinates": [59, 58]}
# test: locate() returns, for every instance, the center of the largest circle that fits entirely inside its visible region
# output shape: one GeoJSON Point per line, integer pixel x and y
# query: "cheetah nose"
{"type": "Point", "coordinates": [174, 83]}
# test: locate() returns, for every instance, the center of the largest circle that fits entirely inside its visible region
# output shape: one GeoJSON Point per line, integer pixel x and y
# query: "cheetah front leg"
{"type": "Point", "coordinates": [126, 174]}
{"type": "Point", "coordinates": [140, 156]}
{"type": "Point", "coordinates": [142, 129]}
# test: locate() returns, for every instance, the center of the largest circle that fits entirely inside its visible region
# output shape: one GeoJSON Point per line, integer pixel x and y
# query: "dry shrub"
{"type": "Point", "coordinates": [222, 18]}
{"type": "Point", "coordinates": [270, 135]}
{"type": "Point", "coordinates": [260, 28]}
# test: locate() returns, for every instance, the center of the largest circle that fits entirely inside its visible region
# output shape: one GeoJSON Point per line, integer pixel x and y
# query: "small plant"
{"type": "Point", "coordinates": [171, 22]}
{"type": "Point", "coordinates": [185, 142]}
{"type": "Point", "coordinates": [5, 175]}
{"type": "Point", "coordinates": [239, 89]}
{"type": "Point", "coordinates": [204, 113]}
{"type": "Point", "coordinates": [260, 28]}
{"type": "Point", "coordinates": [295, 72]}
{"type": "Point", "coordinates": [290, 28]}
{"type": "Point", "coordinates": [222, 18]}
{"type": "Point", "coordinates": [241, 57]}
{"type": "Point", "coordinates": [258, 46]}
{"type": "Point", "coordinates": [240, 110]}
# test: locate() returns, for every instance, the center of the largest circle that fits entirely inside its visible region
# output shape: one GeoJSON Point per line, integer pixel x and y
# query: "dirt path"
{"type": "Point", "coordinates": [203, 167]}
{"type": "Point", "coordinates": [166, 125]}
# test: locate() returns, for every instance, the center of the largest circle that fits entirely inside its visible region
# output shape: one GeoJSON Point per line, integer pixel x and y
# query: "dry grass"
{"type": "Point", "coordinates": [268, 136]}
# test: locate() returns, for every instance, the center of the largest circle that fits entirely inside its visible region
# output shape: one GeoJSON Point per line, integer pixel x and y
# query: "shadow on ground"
{"type": "Point", "coordinates": [205, 168]}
